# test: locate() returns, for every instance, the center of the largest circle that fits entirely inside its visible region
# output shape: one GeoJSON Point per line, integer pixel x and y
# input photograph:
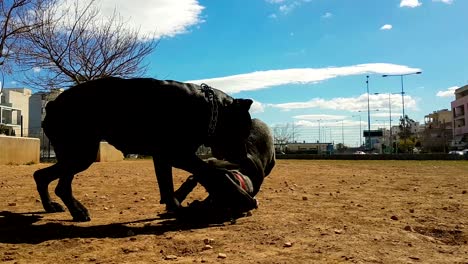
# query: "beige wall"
{"type": "Point", "coordinates": [22, 150]}
{"type": "Point", "coordinates": [107, 152]}
{"type": "Point", "coordinates": [18, 150]}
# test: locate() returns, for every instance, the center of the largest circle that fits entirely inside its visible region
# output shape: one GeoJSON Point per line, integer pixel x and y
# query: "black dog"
{"type": "Point", "coordinates": [167, 120]}
{"type": "Point", "coordinates": [235, 189]}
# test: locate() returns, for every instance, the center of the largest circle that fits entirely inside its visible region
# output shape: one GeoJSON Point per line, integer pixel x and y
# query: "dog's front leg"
{"type": "Point", "coordinates": [186, 188]}
{"type": "Point", "coordinates": [163, 169]}
{"type": "Point", "coordinates": [201, 170]}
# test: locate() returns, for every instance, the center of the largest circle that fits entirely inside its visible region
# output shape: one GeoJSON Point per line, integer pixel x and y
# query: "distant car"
{"type": "Point", "coordinates": [359, 152]}
{"type": "Point", "coordinates": [457, 152]}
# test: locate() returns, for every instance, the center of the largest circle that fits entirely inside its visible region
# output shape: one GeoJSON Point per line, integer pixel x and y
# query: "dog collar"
{"type": "Point", "coordinates": [209, 94]}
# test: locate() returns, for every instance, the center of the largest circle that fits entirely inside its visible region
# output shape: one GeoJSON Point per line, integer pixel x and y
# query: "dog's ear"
{"type": "Point", "coordinates": [243, 104]}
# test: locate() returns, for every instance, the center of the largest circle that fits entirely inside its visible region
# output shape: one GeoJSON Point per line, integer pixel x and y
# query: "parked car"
{"type": "Point", "coordinates": [359, 152]}
{"type": "Point", "coordinates": [457, 152]}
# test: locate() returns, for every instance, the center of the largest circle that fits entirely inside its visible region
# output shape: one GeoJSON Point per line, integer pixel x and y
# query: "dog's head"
{"type": "Point", "coordinates": [232, 130]}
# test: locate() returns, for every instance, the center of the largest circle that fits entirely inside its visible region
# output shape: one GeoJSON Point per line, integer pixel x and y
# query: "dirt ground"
{"type": "Point", "coordinates": [311, 211]}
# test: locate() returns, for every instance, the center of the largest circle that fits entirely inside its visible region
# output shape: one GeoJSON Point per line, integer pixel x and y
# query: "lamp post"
{"type": "Point", "coordinates": [402, 97]}
{"type": "Point", "coordinates": [360, 130]}
{"type": "Point", "coordinates": [324, 132]}
{"type": "Point", "coordinates": [319, 130]}
{"type": "Point", "coordinates": [389, 118]}
{"type": "Point", "coordinates": [368, 140]}
{"type": "Point", "coordinates": [342, 132]}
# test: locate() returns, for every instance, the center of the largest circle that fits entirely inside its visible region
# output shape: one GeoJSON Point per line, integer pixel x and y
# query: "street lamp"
{"type": "Point", "coordinates": [368, 143]}
{"type": "Point", "coordinates": [402, 97]}
{"type": "Point", "coordinates": [324, 134]}
{"type": "Point", "coordinates": [342, 131]}
{"type": "Point", "coordinates": [360, 130]}
{"type": "Point", "coordinates": [389, 118]}
{"type": "Point", "coordinates": [368, 138]}
{"type": "Point", "coordinates": [319, 130]}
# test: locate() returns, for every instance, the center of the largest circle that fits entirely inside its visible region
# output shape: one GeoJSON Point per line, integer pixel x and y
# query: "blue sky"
{"type": "Point", "coordinates": [306, 60]}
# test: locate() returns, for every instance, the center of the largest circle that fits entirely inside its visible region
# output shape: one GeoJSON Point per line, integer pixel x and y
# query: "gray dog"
{"type": "Point", "coordinates": [235, 189]}
{"type": "Point", "coordinates": [167, 120]}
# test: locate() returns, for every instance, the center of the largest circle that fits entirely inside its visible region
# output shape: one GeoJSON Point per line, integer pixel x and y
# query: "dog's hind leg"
{"type": "Point", "coordinates": [73, 161]}
{"type": "Point", "coordinates": [64, 191]}
{"type": "Point", "coordinates": [72, 157]}
{"type": "Point", "coordinates": [43, 178]}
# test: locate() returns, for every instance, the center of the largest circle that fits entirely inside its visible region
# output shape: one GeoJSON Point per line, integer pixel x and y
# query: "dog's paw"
{"type": "Point", "coordinates": [80, 213]}
{"type": "Point", "coordinates": [54, 207]}
{"type": "Point", "coordinates": [81, 216]}
{"type": "Point", "coordinates": [172, 205]}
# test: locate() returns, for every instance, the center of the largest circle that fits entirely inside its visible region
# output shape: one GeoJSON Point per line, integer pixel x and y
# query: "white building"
{"type": "Point", "coordinates": [37, 104]}
{"type": "Point", "coordinates": [14, 110]}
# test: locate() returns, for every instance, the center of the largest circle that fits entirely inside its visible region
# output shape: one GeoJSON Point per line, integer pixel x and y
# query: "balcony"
{"type": "Point", "coordinates": [10, 116]}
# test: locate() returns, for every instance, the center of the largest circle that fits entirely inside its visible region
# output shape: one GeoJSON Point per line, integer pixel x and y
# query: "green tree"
{"type": "Point", "coordinates": [407, 137]}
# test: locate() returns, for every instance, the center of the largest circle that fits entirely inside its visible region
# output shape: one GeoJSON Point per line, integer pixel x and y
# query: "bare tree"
{"type": "Point", "coordinates": [282, 135]}
{"type": "Point", "coordinates": [75, 44]}
{"type": "Point", "coordinates": [12, 27]}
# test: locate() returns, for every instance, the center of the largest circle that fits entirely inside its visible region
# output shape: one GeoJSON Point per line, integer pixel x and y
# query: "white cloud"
{"type": "Point", "coordinates": [285, 9]}
{"type": "Point", "coordinates": [257, 107]}
{"type": "Point", "coordinates": [161, 18]}
{"type": "Point", "coordinates": [386, 27]}
{"type": "Point", "coordinates": [273, 16]}
{"type": "Point", "coordinates": [377, 103]}
{"type": "Point", "coordinates": [327, 15]}
{"type": "Point", "coordinates": [266, 79]}
{"type": "Point", "coordinates": [36, 69]}
{"type": "Point", "coordinates": [410, 3]}
{"type": "Point", "coordinates": [319, 117]}
{"type": "Point", "coordinates": [449, 92]}
{"type": "Point", "coordinates": [385, 115]}
{"type": "Point", "coordinates": [448, 2]}
{"type": "Point", "coordinates": [287, 6]}
{"type": "Point", "coordinates": [325, 121]}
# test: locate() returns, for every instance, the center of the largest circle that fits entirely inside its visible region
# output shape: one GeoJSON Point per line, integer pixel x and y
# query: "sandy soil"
{"type": "Point", "coordinates": [314, 211]}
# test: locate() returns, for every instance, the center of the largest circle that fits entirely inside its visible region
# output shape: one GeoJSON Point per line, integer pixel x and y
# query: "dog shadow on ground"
{"type": "Point", "coordinates": [20, 228]}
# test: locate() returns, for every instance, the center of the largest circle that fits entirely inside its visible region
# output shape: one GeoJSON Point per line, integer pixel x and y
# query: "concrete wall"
{"type": "Point", "coordinates": [19, 150]}
{"type": "Point", "coordinates": [107, 152]}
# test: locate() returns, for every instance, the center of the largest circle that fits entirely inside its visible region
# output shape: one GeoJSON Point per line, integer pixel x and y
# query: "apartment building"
{"type": "Point", "coordinates": [37, 104]}
{"type": "Point", "coordinates": [14, 110]}
{"type": "Point", "coordinates": [460, 118]}
{"type": "Point", "coordinates": [438, 132]}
